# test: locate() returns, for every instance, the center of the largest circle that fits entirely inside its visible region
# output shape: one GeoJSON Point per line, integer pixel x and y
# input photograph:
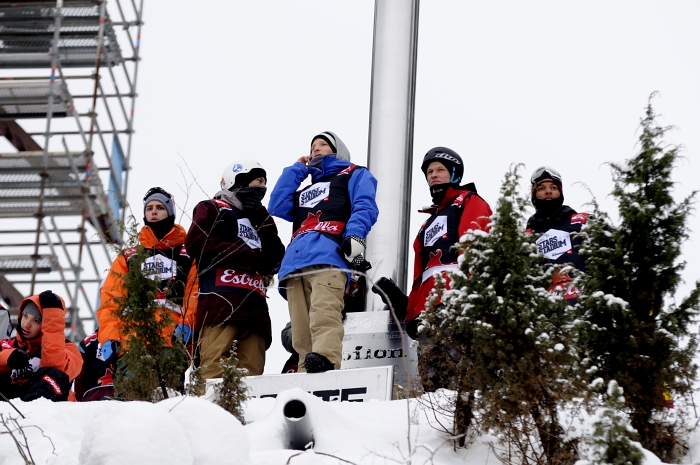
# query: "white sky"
{"type": "Point", "coordinates": [561, 84]}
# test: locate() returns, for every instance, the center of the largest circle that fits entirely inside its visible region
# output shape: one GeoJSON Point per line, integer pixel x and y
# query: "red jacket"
{"type": "Point", "coordinates": [459, 211]}
{"type": "Point", "coordinates": [51, 346]}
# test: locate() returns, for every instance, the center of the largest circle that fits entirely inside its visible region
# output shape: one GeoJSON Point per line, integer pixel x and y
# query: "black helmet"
{"type": "Point", "coordinates": [449, 158]}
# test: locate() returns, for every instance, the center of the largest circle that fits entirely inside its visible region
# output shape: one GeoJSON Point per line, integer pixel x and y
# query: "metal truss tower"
{"type": "Point", "coordinates": [68, 73]}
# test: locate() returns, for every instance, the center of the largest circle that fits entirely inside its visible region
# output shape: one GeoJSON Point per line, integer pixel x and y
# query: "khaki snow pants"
{"type": "Point", "coordinates": [216, 343]}
{"type": "Point", "coordinates": [315, 308]}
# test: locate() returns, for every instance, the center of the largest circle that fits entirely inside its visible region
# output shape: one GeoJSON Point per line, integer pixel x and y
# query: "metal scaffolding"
{"type": "Point", "coordinates": [68, 73]}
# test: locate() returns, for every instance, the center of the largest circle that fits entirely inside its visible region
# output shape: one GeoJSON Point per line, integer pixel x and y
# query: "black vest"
{"type": "Point", "coordinates": [559, 241]}
{"type": "Point", "coordinates": [324, 206]}
{"type": "Point", "coordinates": [220, 279]}
{"type": "Point", "coordinates": [440, 233]}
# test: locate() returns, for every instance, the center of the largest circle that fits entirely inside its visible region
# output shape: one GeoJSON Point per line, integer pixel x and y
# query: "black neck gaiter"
{"type": "Point", "coordinates": [162, 227]}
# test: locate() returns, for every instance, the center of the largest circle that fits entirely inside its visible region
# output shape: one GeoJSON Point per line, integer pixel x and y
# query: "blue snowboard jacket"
{"type": "Point", "coordinates": [314, 248]}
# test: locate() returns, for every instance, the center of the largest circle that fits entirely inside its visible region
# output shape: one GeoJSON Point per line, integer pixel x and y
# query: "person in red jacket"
{"type": "Point", "coordinates": [39, 361]}
{"type": "Point", "coordinates": [455, 210]}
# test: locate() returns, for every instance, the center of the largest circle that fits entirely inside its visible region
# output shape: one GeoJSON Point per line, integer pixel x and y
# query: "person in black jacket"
{"type": "Point", "coordinates": [557, 226]}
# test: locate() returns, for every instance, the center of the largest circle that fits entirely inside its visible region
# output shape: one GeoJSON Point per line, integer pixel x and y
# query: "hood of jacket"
{"type": "Point", "coordinates": [36, 342]}
{"type": "Point", "coordinates": [342, 151]}
{"type": "Point", "coordinates": [175, 236]}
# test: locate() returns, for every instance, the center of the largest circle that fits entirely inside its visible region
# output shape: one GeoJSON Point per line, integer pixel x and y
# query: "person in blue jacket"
{"type": "Point", "coordinates": [331, 219]}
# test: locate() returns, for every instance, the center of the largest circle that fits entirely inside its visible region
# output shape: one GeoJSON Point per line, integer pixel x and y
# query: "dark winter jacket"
{"type": "Point", "coordinates": [558, 243]}
{"type": "Point", "coordinates": [459, 211]}
{"type": "Point", "coordinates": [235, 252]}
{"type": "Point", "coordinates": [313, 245]}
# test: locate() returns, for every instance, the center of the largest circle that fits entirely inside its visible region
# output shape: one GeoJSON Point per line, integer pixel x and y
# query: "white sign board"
{"type": "Point", "coordinates": [373, 339]}
{"type": "Point", "coordinates": [357, 385]}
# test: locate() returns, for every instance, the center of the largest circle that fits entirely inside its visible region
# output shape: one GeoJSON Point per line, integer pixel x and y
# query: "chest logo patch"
{"type": "Point", "coordinates": [314, 194]}
{"type": "Point", "coordinates": [159, 266]}
{"type": "Point", "coordinates": [554, 243]}
{"type": "Point", "coordinates": [435, 231]}
{"type": "Point", "coordinates": [248, 234]}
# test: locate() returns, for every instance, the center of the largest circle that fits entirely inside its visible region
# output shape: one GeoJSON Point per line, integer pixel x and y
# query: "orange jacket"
{"type": "Point", "coordinates": [109, 325]}
{"type": "Point", "coordinates": [51, 346]}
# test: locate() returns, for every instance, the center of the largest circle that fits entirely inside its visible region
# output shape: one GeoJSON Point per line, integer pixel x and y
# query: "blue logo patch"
{"type": "Point", "coordinates": [237, 167]}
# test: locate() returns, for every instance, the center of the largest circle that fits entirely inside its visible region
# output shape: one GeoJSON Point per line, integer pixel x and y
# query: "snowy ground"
{"type": "Point", "coordinates": [184, 431]}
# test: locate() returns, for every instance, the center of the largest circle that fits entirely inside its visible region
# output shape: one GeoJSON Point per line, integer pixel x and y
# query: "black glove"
{"type": "Point", "coordinates": [18, 359]}
{"type": "Point", "coordinates": [412, 328]}
{"type": "Point", "coordinates": [48, 299]}
{"type": "Point", "coordinates": [397, 299]}
{"type": "Point", "coordinates": [49, 383]}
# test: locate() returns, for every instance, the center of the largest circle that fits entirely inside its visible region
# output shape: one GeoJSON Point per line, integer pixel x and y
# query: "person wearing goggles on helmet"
{"type": "Point", "coordinates": [331, 219]}
{"type": "Point", "coordinates": [455, 210]}
{"type": "Point", "coordinates": [556, 225]}
{"type": "Point", "coordinates": [170, 264]}
{"type": "Point", "coordinates": [237, 250]}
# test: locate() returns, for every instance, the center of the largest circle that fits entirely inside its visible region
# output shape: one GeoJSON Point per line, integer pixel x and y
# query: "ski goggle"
{"type": "Point", "coordinates": [544, 172]}
{"type": "Point", "coordinates": [157, 190]}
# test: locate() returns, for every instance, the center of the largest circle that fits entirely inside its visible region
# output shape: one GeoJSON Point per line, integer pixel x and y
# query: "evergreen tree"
{"type": "Point", "coordinates": [514, 337]}
{"type": "Point", "coordinates": [611, 442]}
{"type": "Point", "coordinates": [147, 370]}
{"type": "Point", "coordinates": [232, 392]}
{"type": "Point", "coordinates": [632, 333]}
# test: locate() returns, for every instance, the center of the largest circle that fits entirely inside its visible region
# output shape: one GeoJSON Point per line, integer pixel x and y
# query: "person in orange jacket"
{"type": "Point", "coordinates": [168, 259]}
{"type": "Point", "coordinates": [39, 361]}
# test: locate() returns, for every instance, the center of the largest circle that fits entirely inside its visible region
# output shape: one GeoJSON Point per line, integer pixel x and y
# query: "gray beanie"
{"type": "Point", "coordinates": [162, 196]}
{"type": "Point", "coordinates": [32, 309]}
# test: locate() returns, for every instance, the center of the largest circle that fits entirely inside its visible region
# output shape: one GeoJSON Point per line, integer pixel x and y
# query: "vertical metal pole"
{"type": "Point", "coordinates": [45, 160]}
{"type": "Point", "coordinates": [137, 58]}
{"type": "Point", "coordinates": [390, 155]}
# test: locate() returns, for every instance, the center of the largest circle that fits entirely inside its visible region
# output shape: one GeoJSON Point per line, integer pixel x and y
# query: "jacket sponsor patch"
{"type": "Point", "coordinates": [554, 243]}
{"type": "Point", "coordinates": [579, 218]}
{"type": "Point", "coordinates": [312, 223]}
{"type": "Point", "coordinates": [347, 170]}
{"type": "Point", "coordinates": [314, 194]}
{"type": "Point", "coordinates": [159, 266]}
{"type": "Point", "coordinates": [248, 234]}
{"type": "Point", "coordinates": [233, 278]}
{"type": "Point", "coordinates": [221, 205]}
{"type": "Point", "coordinates": [435, 231]}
